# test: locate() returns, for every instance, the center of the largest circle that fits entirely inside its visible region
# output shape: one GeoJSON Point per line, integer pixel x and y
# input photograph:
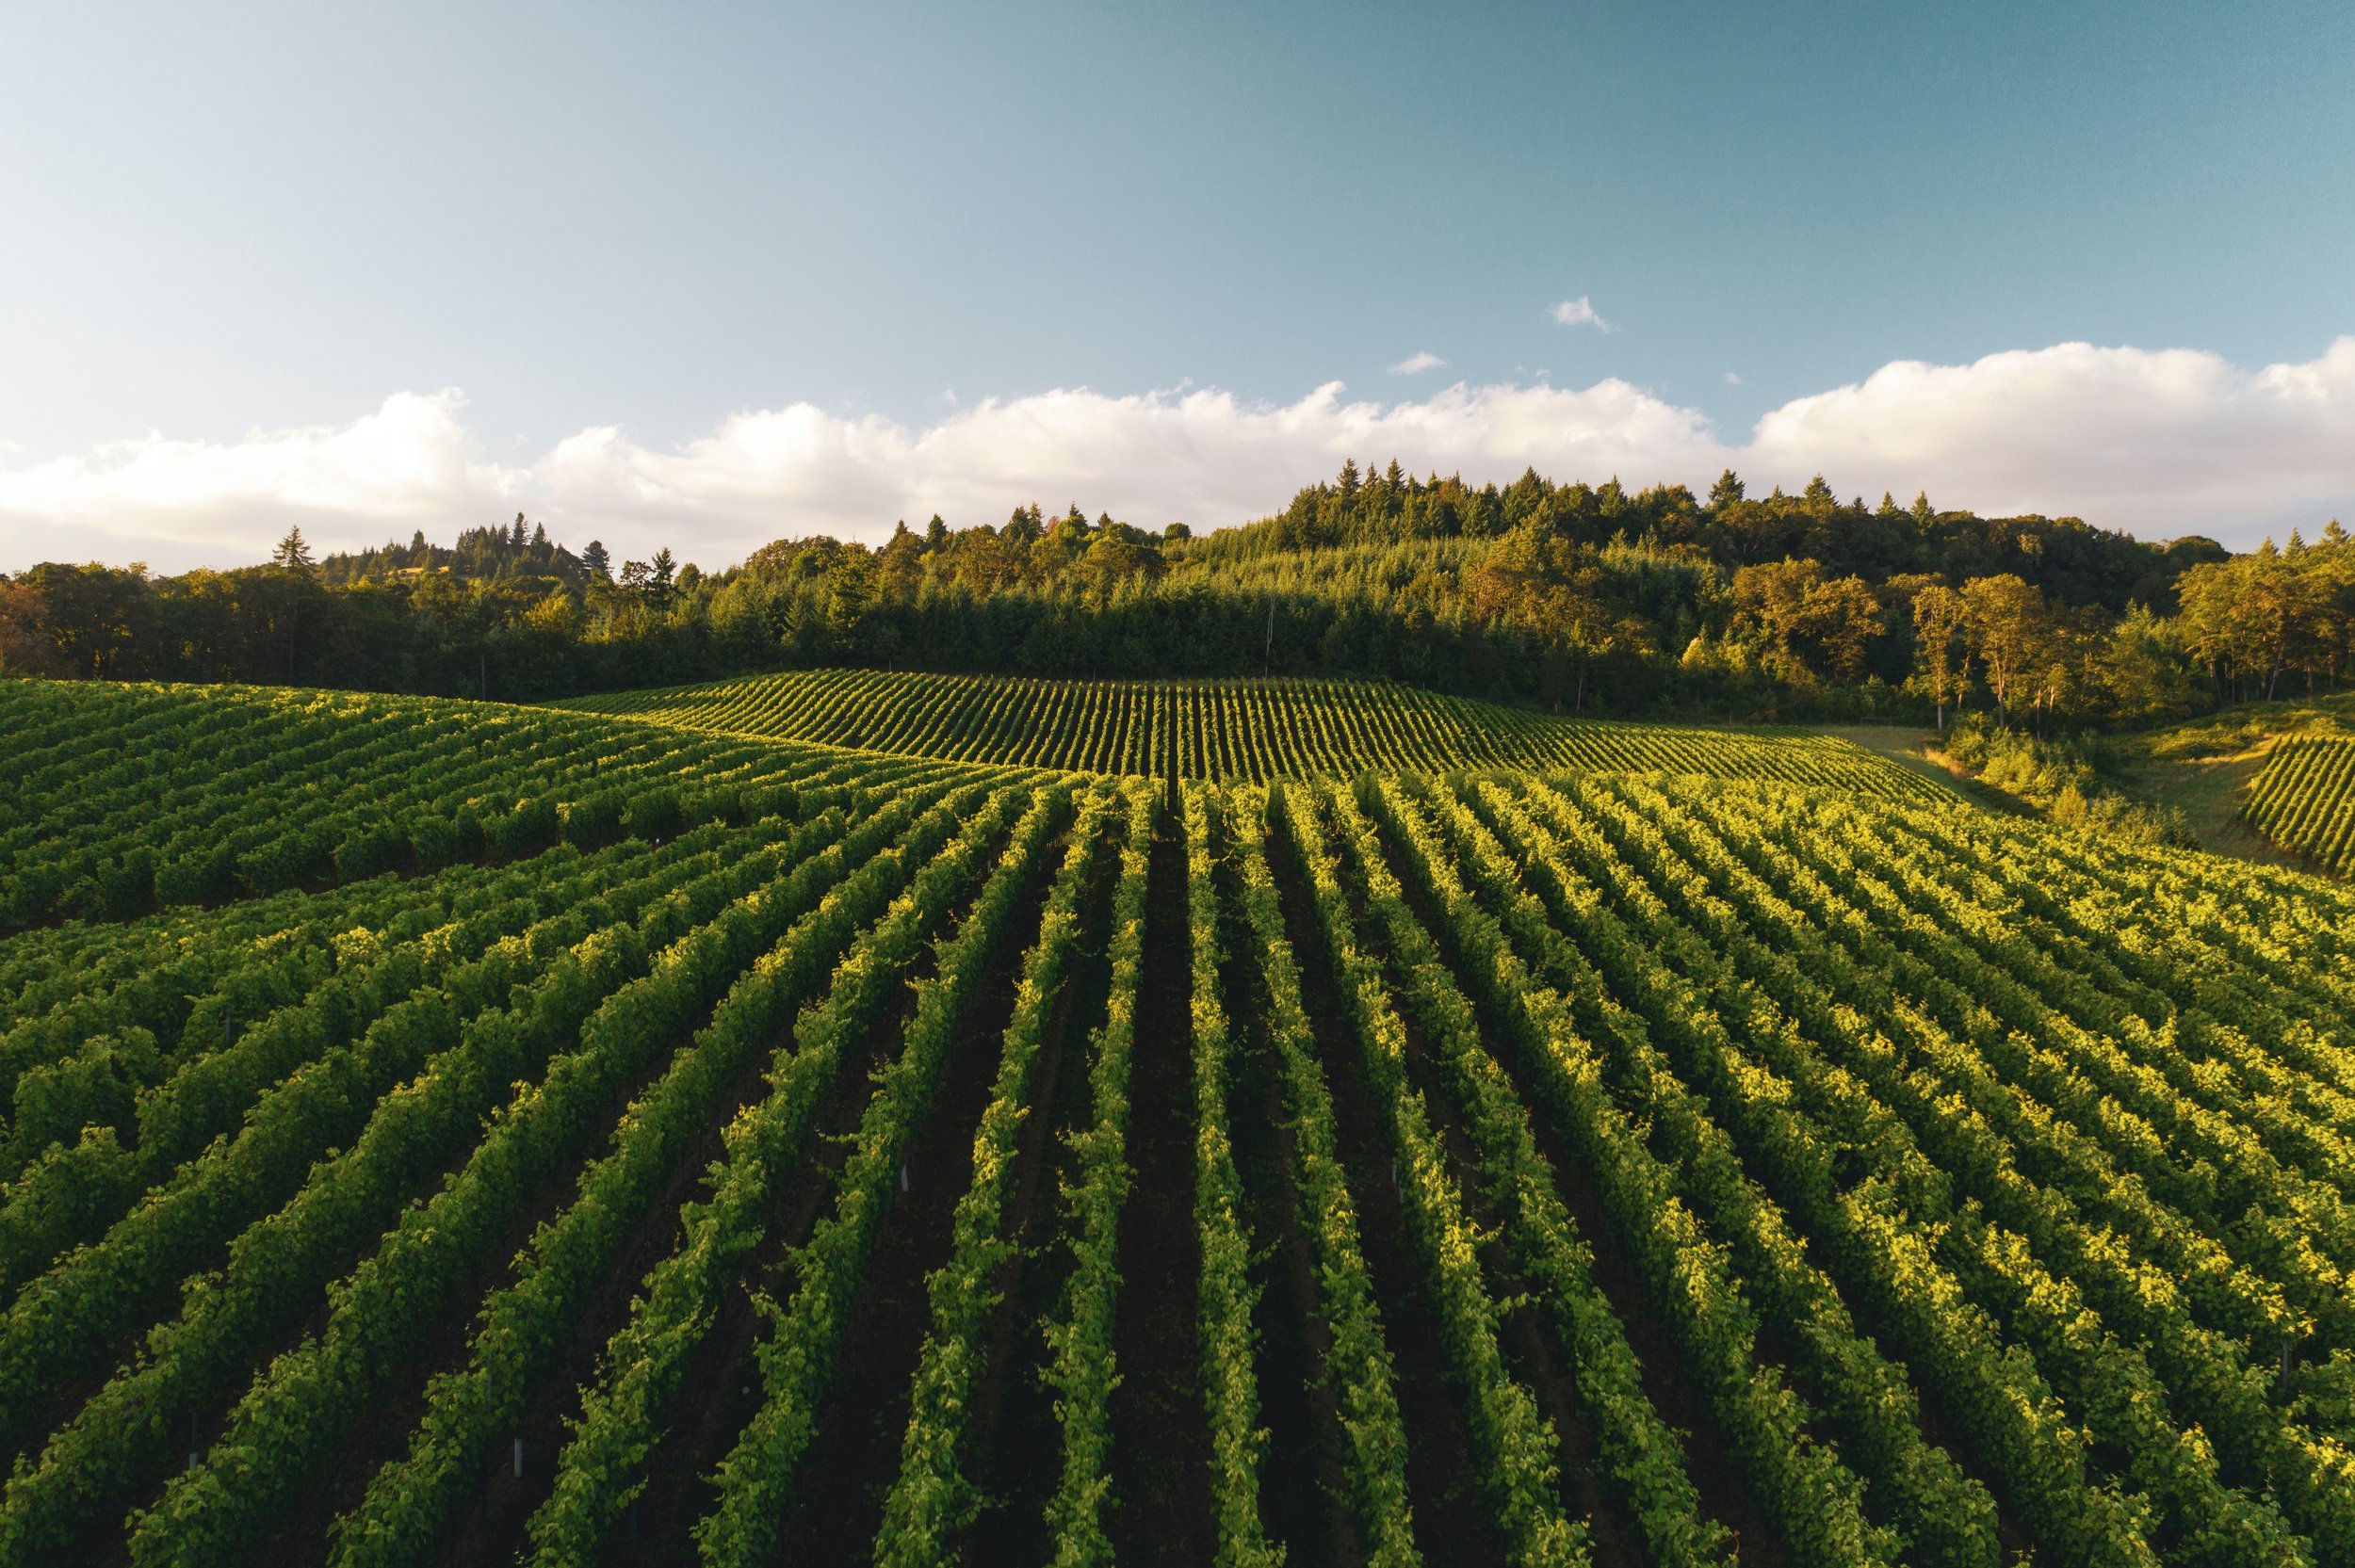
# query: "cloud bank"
{"type": "Point", "coordinates": [2160, 443]}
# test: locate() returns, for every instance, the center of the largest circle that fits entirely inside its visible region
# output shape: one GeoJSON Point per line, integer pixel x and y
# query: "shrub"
{"type": "Point", "coordinates": [370, 851]}
{"type": "Point", "coordinates": [656, 815]}
{"type": "Point", "coordinates": [525, 831]}
{"type": "Point", "coordinates": [593, 822]}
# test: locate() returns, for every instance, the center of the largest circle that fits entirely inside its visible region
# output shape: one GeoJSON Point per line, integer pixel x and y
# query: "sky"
{"type": "Point", "coordinates": [709, 275]}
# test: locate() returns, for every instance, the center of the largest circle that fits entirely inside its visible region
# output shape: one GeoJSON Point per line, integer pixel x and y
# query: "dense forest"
{"type": "Point", "coordinates": [1573, 596]}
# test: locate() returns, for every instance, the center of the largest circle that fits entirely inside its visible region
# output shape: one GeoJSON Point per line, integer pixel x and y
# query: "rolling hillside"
{"type": "Point", "coordinates": [1221, 729]}
{"type": "Point", "coordinates": [2304, 800]}
{"type": "Point", "coordinates": [445, 1132]}
{"type": "Point", "coordinates": [2221, 771]}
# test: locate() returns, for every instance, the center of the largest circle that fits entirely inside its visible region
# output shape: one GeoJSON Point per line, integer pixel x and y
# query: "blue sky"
{"type": "Point", "coordinates": [562, 255]}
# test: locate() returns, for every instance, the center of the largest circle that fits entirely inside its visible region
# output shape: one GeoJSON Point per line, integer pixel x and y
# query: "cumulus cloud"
{"type": "Point", "coordinates": [1578, 312]}
{"type": "Point", "coordinates": [2157, 441]}
{"type": "Point", "coordinates": [1417, 363]}
{"type": "Point", "coordinates": [409, 464]}
{"type": "Point", "coordinates": [1201, 456]}
{"type": "Point", "coordinates": [2161, 441]}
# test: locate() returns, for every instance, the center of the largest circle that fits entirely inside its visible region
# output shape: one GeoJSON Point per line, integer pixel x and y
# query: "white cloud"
{"type": "Point", "coordinates": [2160, 443]}
{"type": "Point", "coordinates": [1578, 312]}
{"type": "Point", "coordinates": [1202, 456]}
{"type": "Point", "coordinates": [1732, 379]}
{"type": "Point", "coordinates": [1417, 363]}
{"type": "Point", "coordinates": [411, 463]}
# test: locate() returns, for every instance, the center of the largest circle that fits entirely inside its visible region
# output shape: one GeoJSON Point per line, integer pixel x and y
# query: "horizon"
{"type": "Point", "coordinates": [453, 536]}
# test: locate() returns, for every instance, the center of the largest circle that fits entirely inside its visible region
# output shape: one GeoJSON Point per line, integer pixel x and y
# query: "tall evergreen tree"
{"type": "Point", "coordinates": [293, 552]}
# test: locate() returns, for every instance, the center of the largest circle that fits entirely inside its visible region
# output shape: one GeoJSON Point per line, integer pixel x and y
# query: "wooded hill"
{"type": "Point", "coordinates": [1585, 598]}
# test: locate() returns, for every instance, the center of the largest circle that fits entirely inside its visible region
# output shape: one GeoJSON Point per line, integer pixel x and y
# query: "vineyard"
{"type": "Point", "coordinates": [1254, 731]}
{"type": "Point", "coordinates": [2304, 800]}
{"type": "Point", "coordinates": [444, 1133]}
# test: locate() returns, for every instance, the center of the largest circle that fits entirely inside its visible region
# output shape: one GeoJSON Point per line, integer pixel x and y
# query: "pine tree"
{"type": "Point", "coordinates": [594, 561]}
{"type": "Point", "coordinates": [1725, 491]}
{"type": "Point", "coordinates": [293, 552]}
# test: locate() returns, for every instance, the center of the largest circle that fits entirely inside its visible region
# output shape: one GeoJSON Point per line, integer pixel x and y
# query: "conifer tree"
{"type": "Point", "coordinates": [293, 552]}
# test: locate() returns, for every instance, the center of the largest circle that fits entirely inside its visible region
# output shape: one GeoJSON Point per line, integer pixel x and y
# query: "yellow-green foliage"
{"type": "Point", "coordinates": [1235, 729]}
{"type": "Point", "coordinates": [1977, 1188]}
{"type": "Point", "coordinates": [2304, 800]}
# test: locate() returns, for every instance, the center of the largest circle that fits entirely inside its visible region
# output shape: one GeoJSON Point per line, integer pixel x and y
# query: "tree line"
{"type": "Point", "coordinates": [1578, 597]}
